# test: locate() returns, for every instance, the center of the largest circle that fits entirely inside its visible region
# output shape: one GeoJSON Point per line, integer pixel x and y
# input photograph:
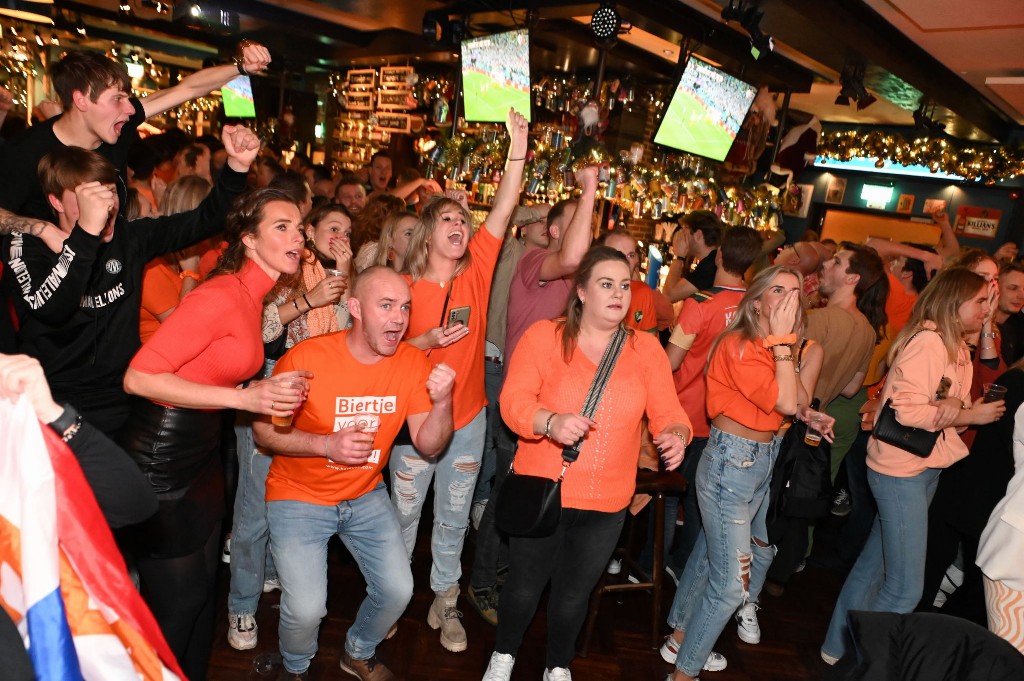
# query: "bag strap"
{"type": "Point", "coordinates": [597, 386]}
{"type": "Point", "coordinates": [447, 297]}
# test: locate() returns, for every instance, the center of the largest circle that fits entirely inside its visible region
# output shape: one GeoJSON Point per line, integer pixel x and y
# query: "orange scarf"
{"type": "Point", "coordinates": [319, 320]}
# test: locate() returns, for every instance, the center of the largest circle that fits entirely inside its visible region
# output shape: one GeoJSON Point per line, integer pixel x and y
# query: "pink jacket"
{"type": "Point", "coordinates": [915, 375]}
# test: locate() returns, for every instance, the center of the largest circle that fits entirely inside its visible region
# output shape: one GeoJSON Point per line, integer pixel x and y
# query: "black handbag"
{"type": "Point", "coordinates": [531, 505]}
{"type": "Point", "coordinates": [917, 441]}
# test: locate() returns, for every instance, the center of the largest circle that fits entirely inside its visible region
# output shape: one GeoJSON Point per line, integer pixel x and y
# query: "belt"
{"type": "Point", "coordinates": [493, 360]}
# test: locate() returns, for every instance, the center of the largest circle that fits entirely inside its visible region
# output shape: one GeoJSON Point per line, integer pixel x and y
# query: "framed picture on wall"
{"type": "Point", "coordinates": [395, 99]}
{"type": "Point", "coordinates": [836, 190]}
{"type": "Point", "coordinates": [934, 205]}
{"type": "Point", "coordinates": [395, 77]}
{"type": "Point", "coordinates": [359, 101]}
{"type": "Point", "coordinates": [905, 204]}
{"type": "Point", "coordinates": [797, 200]}
{"type": "Point", "coordinates": [362, 78]}
{"type": "Point", "coordinates": [393, 122]}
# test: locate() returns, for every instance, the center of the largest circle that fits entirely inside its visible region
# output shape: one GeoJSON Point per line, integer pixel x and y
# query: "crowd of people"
{"type": "Point", "coordinates": [354, 342]}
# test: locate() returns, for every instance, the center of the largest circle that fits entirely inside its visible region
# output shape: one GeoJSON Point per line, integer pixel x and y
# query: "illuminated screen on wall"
{"type": "Point", "coordinates": [496, 76]}
{"type": "Point", "coordinates": [870, 165]}
{"type": "Point", "coordinates": [706, 111]}
{"type": "Point", "coordinates": [237, 96]}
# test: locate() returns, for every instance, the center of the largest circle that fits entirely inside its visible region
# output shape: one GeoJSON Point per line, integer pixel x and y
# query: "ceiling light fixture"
{"type": "Point", "coordinates": [606, 23]}
{"type": "Point", "coordinates": [749, 17]}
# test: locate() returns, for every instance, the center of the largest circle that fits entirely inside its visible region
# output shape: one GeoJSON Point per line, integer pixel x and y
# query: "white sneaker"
{"type": "Point", "coordinates": [557, 674]}
{"type": "Point", "coordinates": [272, 585]}
{"type": "Point", "coordinates": [716, 662]}
{"type": "Point", "coordinates": [500, 667]}
{"type": "Point", "coordinates": [747, 627]}
{"type": "Point", "coordinates": [614, 566]}
{"type": "Point", "coordinates": [225, 552]}
{"type": "Point", "coordinates": [242, 632]}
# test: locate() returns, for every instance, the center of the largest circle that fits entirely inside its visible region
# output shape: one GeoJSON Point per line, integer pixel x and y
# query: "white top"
{"type": "Point", "coordinates": [1001, 549]}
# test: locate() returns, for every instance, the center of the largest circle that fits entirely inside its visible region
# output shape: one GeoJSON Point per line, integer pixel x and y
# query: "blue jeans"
{"type": "Point", "coordinates": [456, 469]}
{"type": "Point", "coordinates": [493, 380]}
{"type": "Point", "coordinates": [889, 574]}
{"type": "Point", "coordinates": [367, 526]}
{"type": "Point", "coordinates": [251, 562]}
{"type": "Point", "coordinates": [732, 491]}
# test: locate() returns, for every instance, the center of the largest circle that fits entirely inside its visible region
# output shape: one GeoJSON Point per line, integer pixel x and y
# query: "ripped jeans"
{"type": "Point", "coordinates": [456, 470]}
{"type": "Point", "coordinates": [732, 490]}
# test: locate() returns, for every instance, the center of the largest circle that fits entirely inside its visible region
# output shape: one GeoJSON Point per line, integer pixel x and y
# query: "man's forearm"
{"type": "Point", "coordinates": [293, 442]}
{"type": "Point", "coordinates": [433, 436]}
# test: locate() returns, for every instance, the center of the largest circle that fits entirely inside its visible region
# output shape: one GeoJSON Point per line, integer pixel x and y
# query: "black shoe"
{"type": "Point", "coordinates": [842, 504]}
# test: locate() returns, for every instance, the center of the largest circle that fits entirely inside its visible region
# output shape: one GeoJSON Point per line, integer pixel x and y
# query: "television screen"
{"type": "Point", "coordinates": [237, 96]}
{"type": "Point", "coordinates": [705, 112]}
{"type": "Point", "coordinates": [496, 76]}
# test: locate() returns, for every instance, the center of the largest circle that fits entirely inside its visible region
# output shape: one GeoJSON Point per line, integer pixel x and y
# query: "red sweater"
{"type": "Point", "coordinates": [214, 336]}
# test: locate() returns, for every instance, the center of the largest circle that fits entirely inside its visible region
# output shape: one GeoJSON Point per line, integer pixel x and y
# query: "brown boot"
{"type": "Point", "coordinates": [366, 670]}
{"type": "Point", "coordinates": [444, 615]}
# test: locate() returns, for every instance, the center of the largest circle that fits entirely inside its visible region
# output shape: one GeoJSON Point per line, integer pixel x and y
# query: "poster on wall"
{"type": "Point", "coordinates": [934, 206]}
{"type": "Point", "coordinates": [836, 190]}
{"type": "Point", "coordinates": [797, 200]}
{"type": "Point", "coordinates": [980, 223]}
{"type": "Point", "coordinates": [905, 204]}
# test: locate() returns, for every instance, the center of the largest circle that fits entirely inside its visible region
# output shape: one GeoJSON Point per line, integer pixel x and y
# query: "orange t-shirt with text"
{"type": "Point", "coordinates": [471, 288]}
{"type": "Point", "coordinates": [343, 389]}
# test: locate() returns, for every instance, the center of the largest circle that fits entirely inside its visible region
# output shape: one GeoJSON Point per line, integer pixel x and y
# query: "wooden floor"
{"type": "Point", "coordinates": [792, 627]}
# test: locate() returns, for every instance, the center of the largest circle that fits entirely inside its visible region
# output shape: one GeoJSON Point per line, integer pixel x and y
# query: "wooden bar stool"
{"type": "Point", "coordinates": [657, 484]}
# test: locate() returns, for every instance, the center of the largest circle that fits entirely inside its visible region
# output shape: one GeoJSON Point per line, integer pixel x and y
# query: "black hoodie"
{"type": "Point", "coordinates": [79, 309]}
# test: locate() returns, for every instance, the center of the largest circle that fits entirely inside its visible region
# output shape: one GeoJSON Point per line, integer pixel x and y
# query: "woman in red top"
{"type": "Point", "coordinates": [188, 372]}
{"type": "Point", "coordinates": [549, 377]}
{"type": "Point", "coordinates": [752, 385]}
{"type": "Point", "coordinates": [450, 270]}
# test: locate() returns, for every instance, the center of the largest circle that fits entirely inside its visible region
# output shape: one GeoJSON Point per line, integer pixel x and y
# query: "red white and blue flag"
{"type": "Point", "coordinates": [62, 580]}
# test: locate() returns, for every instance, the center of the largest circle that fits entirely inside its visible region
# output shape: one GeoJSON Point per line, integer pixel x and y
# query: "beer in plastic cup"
{"type": "Point", "coordinates": [812, 438]}
{"type": "Point", "coordinates": [282, 421]}
{"type": "Point", "coordinates": [994, 392]}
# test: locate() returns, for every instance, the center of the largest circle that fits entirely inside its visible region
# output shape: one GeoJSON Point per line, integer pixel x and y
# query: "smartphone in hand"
{"type": "Point", "coordinates": [457, 315]}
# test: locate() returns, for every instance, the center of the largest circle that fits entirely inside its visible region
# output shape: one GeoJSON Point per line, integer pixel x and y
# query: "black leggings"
{"type": "Point", "coordinates": [180, 592]}
{"type": "Point", "coordinates": [572, 559]}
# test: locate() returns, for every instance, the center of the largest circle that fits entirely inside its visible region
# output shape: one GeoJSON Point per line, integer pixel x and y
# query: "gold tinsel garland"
{"type": "Point", "coordinates": [976, 162]}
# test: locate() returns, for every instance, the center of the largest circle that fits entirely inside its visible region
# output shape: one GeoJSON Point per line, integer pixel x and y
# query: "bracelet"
{"type": "Point", "coordinates": [680, 436]}
{"type": "Point", "coordinates": [67, 424]}
{"type": "Point", "coordinates": [771, 341]}
{"type": "Point", "coordinates": [547, 425]}
{"type": "Point", "coordinates": [990, 334]}
{"type": "Point", "coordinates": [295, 302]}
{"type": "Point", "coordinates": [520, 158]}
{"type": "Point", "coordinates": [783, 358]}
{"type": "Point", "coordinates": [188, 274]}
{"type": "Point", "coordinates": [240, 65]}
{"type": "Point", "coordinates": [307, 302]}
{"type": "Point", "coordinates": [325, 449]}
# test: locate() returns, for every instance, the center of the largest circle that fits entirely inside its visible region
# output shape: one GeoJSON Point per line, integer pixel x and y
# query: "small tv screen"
{"type": "Point", "coordinates": [237, 96]}
{"type": "Point", "coordinates": [705, 112]}
{"type": "Point", "coordinates": [496, 76]}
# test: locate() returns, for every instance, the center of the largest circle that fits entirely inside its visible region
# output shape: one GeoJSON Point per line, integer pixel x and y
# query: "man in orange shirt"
{"type": "Point", "coordinates": [326, 479]}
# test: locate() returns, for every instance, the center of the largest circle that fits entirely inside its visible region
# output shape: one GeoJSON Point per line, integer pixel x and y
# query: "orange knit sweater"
{"type": "Point", "coordinates": [604, 476]}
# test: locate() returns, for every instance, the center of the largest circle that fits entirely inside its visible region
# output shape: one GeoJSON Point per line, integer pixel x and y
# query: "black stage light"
{"type": "Point", "coordinates": [605, 22]}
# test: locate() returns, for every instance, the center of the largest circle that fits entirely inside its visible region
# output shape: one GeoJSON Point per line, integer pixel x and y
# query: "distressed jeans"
{"type": "Point", "coordinates": [732, 491]}
{"type": "Point", "coordinates": [889, 573]}
{"type": "Point", "coordinates": [369, 530]}
{"type": "Point", "coordinates": [251, 560]}
{"type": "Point", "coordinates": [455, 470]}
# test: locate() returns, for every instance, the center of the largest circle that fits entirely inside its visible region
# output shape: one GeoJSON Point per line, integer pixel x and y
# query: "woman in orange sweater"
{"type": "Point", "coordinates": [549, 376]}
{"type": "Point", "coordinates": [929, 383]}
{"type": "Point", "coordinates": [189, 371]}
{"type": "Point", "coordinates": [751, 386]}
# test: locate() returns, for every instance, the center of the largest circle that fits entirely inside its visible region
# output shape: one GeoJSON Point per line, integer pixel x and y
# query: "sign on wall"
{"type": "Point", "coordinates": [980, 223]}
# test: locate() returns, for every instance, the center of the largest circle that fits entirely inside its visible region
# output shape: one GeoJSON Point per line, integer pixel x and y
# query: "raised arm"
{"type": "Point", "coordinates": [892, 249]}
{"type": "Point", "coordinates": [949, 245]}
{"type": "Point", "coordinates": [507, 195]}
{"type": "Point", "coordinates": [578, 234]}
{"type": "Point", "coordinates": [431, 431]}
{"type": "Point", "coordinates": [255, 59]}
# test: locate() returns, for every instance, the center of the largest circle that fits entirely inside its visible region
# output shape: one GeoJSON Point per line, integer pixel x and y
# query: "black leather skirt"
{"type": "Point", "coordinates": [178, 450]}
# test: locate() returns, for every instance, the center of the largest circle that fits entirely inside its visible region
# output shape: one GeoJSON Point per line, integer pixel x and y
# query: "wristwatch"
{"type": "Point", "coordinates": [67, 424]}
